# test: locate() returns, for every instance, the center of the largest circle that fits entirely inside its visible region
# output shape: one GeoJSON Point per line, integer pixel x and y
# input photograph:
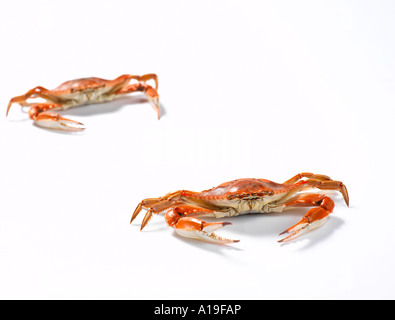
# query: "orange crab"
{"type": "Point", "coordinates": [83, 91]}
{"type": "Point", "coordinates": [240, 197]}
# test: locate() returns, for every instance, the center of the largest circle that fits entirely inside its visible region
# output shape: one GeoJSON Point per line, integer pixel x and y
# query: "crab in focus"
{"type": "Point", "coordinates": [244, 196]}
{"type": "Point", "coordinates": [79, 92]}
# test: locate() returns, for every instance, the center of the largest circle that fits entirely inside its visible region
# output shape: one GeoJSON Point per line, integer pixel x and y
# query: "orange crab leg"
{"type": "Point", "coordinates": [150, 76]}
{"type": "Point", "coordinates": [329, 185]}
{"type": "Point", "coordinates": [150, 92]}
{"type": "Point", "coordinates": [156, 209]}
{"type": "Point", "coordinates": [314, 218]}
{"type": "Point", "coordinates": [154, 205]}
{"type": "Point", "coordinates": [33, 93]}
{"type": "Point", "coordinates": [182, 220]}
{"type": "Point", "coordinates": [158, 205]}
{"type": "Point", "coordinates": [319, 181]}
{"type": "Point", "coordinates": [302, 175]}
{"type": "Point", "coordinates": [147, 77]}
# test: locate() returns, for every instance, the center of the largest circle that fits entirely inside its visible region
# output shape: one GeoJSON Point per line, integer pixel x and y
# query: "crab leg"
{"type": "Point", "coordinates": [33, 93]}
{"type": "Point", "coordinates": [302, 175]}
{"type": "Point", "coordinates": [155, 209]}
{"type": "Point", "coordinates": [153, 205]}
{"type": "Point", "coordinates": [38, 113]}
{"type": "Point", "coordinates": [319, 181]}
{"type": "Point", "coordinates": [150, 76]}
{"type": "Point", "coordinates": [330, 185]}
{"type": "Point", "coordinates": [150, 92]}
{"type": "Point", "coordinates": [182, 220]}
{"type": "Point", "coordinates": [314, 218]}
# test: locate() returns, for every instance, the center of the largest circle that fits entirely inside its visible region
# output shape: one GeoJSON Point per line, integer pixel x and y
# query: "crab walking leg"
{"type": "Point", "coordinates": [330, 185]}
{"type": "Point", "coordinates": [33, 93]}
{"type": "Point", "coordinates": [182, 220]}
{"type": "Point", "coordinates": [38, 113]}
{"type": "Point", "coordinates": [302, 175]}
{"type": "Point", "coordinates": [150, 93]}
{"type": "Point", "coordinates": [146, 203]}
{"type": "Point", "coordinates": [150, 76]}
{"type": "Point", "coordinates": [158, 205]}
{"type": "Point", "coordinates": [313, 219]}
{"type": "Point", "coordinates": [157, 208]}
{"type": "Point", "coordinates": [125, 78]}
{"type": "Point", "coordinates": [154, 206]}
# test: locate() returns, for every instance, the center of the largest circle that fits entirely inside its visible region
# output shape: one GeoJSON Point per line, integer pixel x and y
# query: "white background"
{"type": "Point", "coordinates": [262, 89]}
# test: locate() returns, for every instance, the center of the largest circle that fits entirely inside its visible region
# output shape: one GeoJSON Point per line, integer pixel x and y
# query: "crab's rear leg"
{"type": "Point", "coordinates": [39, 113]}
{"type": "Point", "coordinates": [183, 220]}
{"type": "Point", "coordinates": [302, 175]}
{"type": "Point", "coordinates": [313, 219]}
{"type": "Point", "coordinates": [320, 181]}
{"type": "Point", "coordinates": [330, 185]}
{"type": "Point", "coordinates": [150, 92]}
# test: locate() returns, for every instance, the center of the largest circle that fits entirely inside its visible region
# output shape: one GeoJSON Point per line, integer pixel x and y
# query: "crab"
{"type": "Point", "coordinates": [82, 91]}
{"type": "Point", "coordinates": [244, 196]}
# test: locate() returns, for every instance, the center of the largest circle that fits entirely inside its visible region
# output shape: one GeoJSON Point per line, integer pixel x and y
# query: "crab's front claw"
{"type": "Point", "coordinates": [197, 229]}
{"type": "Point", "coordinates": [312, 220]}
{"type": "Point", "coordinates": [56, 122]}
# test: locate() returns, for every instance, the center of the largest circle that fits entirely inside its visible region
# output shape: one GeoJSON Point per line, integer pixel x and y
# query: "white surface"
{"type": "Point", "coordinates": [261, 89]}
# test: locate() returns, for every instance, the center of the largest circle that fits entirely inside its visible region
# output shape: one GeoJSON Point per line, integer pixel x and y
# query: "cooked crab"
{"type": "Point", "coordinates": [244, 196]}
{"type": "Point", "coordinates": [83, 91]}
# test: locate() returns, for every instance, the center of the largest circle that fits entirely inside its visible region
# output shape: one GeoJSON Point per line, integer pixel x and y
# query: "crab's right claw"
{"type": "Point", "coordinates": [197, 229]}
{"type": "Point", "coordinates": [56, 122]}
{"type": "Point", "coordinates": [313, 219]}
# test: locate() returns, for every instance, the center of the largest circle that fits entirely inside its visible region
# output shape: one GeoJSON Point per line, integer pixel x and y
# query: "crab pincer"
{"type": "Point", "coordinates": [54, 121]}
{"type": "Point", "coordinates": [312, 220]}
{"type": "Point", "coordinates": [183, 219]}
{"type": "Point", "coordinates": [195, 228]}
{"type": "Point", "coordinates": [315, 217]}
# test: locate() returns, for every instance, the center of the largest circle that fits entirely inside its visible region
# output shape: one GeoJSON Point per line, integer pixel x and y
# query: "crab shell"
{"type": "Point", "coordinates": [242, 195]}
{"type": "Point", "coordinates": [85, 91]}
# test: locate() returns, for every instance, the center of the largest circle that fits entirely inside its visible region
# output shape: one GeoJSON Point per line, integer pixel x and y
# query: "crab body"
{"type": "Point", "coordinates": [243, 196]}
{"type": "Point", "coordinates": [79, 92]}
{"type": "Point", "coordinates": [82, 91]}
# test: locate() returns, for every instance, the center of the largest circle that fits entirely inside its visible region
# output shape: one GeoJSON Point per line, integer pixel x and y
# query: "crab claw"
{"type": "Point", "coordinates": [55, 121]}
{"type": "Point", "coordinates": [313, 219]}
{"type": "Point", "coordinates": [197, 229]}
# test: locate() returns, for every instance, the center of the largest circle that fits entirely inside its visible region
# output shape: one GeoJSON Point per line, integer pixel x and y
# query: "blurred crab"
{"type": "Point", "coordinates": [83, 91]}
{"type": "Point", "coordinates": [244, 196]}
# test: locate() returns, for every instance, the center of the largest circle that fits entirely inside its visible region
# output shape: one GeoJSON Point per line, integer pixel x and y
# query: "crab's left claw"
{"type": "Point", "coordinates": [55, 121]}
{"type": "Point", "coordinates": [197, 229]}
